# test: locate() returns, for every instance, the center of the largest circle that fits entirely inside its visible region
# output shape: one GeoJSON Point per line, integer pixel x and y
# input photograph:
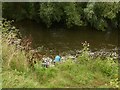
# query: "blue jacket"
{"type": "Point", "coordinates": [57, 58]}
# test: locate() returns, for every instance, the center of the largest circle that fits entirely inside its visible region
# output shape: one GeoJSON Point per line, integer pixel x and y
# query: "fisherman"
{"type": "Point", "coordinates": [57, 59]}
{"type": "Point", "coordinates": [46, 62]}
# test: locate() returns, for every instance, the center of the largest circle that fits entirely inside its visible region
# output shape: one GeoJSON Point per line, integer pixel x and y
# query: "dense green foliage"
{"type": "Point", "coordinates": [84, 72]}
{"type": "Point", "coordinates": [101, 16]}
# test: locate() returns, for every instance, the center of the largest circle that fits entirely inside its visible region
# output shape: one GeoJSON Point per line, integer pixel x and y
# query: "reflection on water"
{"type": "Point", "coordinates": [59, 39]}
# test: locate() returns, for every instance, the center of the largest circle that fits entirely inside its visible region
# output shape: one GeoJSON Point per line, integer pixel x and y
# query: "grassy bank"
{"type": "Point", "coordinates": [85, 72]}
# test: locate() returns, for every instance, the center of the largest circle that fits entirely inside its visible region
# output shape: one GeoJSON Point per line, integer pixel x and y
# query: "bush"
{"type": "Point", "coordinates": [107, 66]}
{"type": "Point", "coordinates": [84, 57]}
{"type": "Point", "coordinates": [13, 58]}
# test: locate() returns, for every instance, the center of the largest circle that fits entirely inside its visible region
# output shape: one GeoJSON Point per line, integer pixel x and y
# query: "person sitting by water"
{"type": "Point", "coordinates": [47, 64]}
{"type": "Point", "coordinates": [57, 59]}
{"type": "Point", "coordinates": [46, 61]}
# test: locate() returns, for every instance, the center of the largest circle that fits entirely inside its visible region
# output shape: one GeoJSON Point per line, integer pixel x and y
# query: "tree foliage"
{"type": "Point", "coordinates": [102, 16]}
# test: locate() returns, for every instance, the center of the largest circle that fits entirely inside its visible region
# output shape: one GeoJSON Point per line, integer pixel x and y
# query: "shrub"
{"type": "Point", "coordinates": [84, 57]}
{"type": "Point", "coordinates": [106, 66]}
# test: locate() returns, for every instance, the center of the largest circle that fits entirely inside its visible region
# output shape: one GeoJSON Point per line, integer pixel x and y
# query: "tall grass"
{"type": "Point", "coordinates": [85, 72]}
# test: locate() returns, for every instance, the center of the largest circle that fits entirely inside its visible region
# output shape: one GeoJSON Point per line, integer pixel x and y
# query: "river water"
{"type": "Point", "coordinates": [58, 39]}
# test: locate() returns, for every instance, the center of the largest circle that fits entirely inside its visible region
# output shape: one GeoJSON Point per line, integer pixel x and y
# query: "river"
{"type": "Point", "coordinates": [59, 39]}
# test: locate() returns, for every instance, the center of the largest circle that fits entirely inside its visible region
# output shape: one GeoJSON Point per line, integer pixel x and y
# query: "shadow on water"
{"type": "Point", "coordinates": [58, 39]}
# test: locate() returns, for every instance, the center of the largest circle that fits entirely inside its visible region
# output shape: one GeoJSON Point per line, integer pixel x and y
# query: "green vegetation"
{"type": "Point", "coordinates": [84, 72]}
{"type": "Point", "coordinates": [102, 16]}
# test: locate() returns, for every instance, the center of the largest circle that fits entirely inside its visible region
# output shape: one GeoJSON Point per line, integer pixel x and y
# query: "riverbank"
{"type": "Point", "coordinates": [21, 67]}
{"type": "Point", "coordinates": [84, 73]}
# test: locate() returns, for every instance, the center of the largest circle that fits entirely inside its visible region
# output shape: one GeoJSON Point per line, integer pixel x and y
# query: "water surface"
{"type": "Point", "coordinates": [59, 39]}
